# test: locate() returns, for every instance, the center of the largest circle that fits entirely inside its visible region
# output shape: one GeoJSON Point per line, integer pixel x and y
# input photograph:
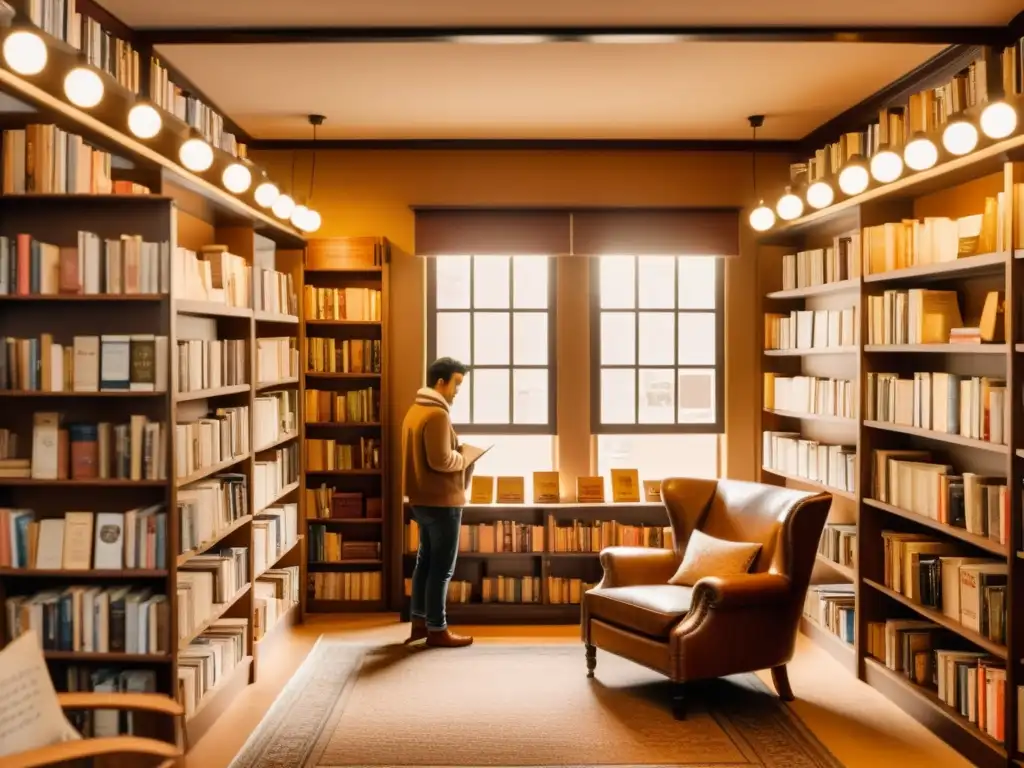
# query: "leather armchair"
{"type": "Point", "coordinates": [722, 625]}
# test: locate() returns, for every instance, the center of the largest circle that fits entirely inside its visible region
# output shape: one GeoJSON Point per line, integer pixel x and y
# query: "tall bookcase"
{"type": "Point", "coordinates": [345, 469]}
{"type": "Point", "coordinates": [874, 518]}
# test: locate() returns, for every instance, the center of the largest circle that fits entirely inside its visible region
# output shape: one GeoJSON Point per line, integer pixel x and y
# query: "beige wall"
{"type": "Point", "coordinates": [370, 193]}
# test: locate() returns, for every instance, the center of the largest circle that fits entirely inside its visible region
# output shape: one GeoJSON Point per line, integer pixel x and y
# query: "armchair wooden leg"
{"type": "Point", "coordinates": [591, 660]}
{"type": "Point", "coordinates": [780, 677]}
{"type": "Point", "coordinates": [679, 701]}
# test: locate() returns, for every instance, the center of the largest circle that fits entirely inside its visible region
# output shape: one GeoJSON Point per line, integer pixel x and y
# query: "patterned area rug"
{"type": "Point", "coordinates": [513, 706]}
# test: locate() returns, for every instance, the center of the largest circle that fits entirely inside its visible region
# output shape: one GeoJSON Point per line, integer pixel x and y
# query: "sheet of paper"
{"type": "Point", "coordinates": [472, 453]}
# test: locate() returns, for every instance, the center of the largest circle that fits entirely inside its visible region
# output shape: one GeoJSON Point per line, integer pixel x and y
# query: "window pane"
{"type": "Point", "coordinates": [696, 396]}
{"type": "Point", "coordinates": [530, 338]}
{"type": "Point", "coordinates": [697, 282]}
{"type": "Point", "coordinates": [490, 338]}
{"type": "Point", "coordinates": [514, 456]}
{"type": "Point", "coordinates": [491, 282]}
{"type": "Point", "coordinates": [490, 396]}
{"type": "Point", "coordinates": [618, 338]}
{"type": "Point", "coordinates": [530, 282]}
{"type": "Point", "coordinates": [657, 338]}
{"type": "Point", "coordinates": [460, 409]}
{"type": "Point", "coordinates": [452, 273]}
{"type": "Point", "coordinates": [657, 396]}
{"type": "Point", "coordinates": [657, 457]}
{"type": "Point", "coordinates": [657, 279]}
{"type": "Point", "coordinates": [530, 396]}
{"type": "Point", "coordinates": [618, 396]}
{"type": "Point", "coordinates": [453, 336]}
{"type": "Point", "coordinates": [696, 338]}
{"type": "Point", "coordinates": [617, 287]}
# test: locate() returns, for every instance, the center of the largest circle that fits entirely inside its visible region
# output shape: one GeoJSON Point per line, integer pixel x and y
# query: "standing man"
{"type": "Point", "coordinates": [434, 479]}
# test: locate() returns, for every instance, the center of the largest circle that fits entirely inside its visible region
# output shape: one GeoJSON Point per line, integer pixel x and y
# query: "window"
{"type": "Point", "coordinates": [657, 324]}
{"type": "Point", "coordinates": [514, 456]}
{"type": "Point", "coordinates": [659, 456]}
{"type": "Point", "coordinates": [496, 314]}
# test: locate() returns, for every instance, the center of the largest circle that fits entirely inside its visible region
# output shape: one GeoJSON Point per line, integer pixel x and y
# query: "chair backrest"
{"type": "Point", "coordinates": [787, 523]}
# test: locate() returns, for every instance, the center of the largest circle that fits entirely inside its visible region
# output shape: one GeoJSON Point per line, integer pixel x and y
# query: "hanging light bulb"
{"type": "Point", "coordinates": [854, 177]}
{"type": "Point", "coordinates": [312, 223]}
{"type": "Point", "coordinates": [762, 218]}
{"type": "Point", "coordinates": [25, 52]}
{"type": "Point", "coordinates": [144, 121]}
{"type": "Point", "coordinates": [266, 194]}
{"type": "Point", "coordinates": [960, 137]}
{"type": "Point", "coordinates": [920, 153]}
{"type": "Point", "coordinates": [196, 155]}
{"type": "Point", "coordinates": [298, 216]}
{"type": "Point", "coordinates": [789, 206]}
{"type": "Point", "coordinates": [998, 120]}
{"type": "Point", "coordinates": [820, 195]}
{"type": "Point", "coordinates": [283, 207]}
{"type": "Point", "coordinates": [236, 178]}
{"type": "Point", "coordinates": [886, 165]}
{"type": "Point", "coordinates": [83, 87]}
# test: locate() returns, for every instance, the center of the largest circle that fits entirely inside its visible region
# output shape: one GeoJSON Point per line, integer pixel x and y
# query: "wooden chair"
{"type": "Point", "coordinates": [130, 749]}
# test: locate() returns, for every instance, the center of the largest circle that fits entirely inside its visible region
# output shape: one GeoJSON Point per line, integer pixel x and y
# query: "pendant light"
{"type": "Point", "coordinates": [762, 218]}
{"type": "Point", "coordinates": [304, 218]}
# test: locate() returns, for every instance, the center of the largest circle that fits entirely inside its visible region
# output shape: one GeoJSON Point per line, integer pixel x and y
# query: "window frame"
{"type": "Point", "coordinates": [717, 426]}
{"type": "Point", "coordinates": [551, 426]}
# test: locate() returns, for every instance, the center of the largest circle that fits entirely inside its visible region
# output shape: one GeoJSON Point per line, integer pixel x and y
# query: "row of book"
{"type": "Point", "coordinates": [206, 583]}
{"type": "Point", "coordinates": [277, 358]}
{"type": "Point", "coordinates": [353, 303]}
{"type": "Point", "coordinates": [82, 541]}
{"type": "Point", "coordinates": [275, 472]}
{"type": "Point", "coordinates": [212, 275]}
{"type": "Point", "coordinates": [211, 441]}
{"type": "Point", "coordinates": [108, 363]}
{"type": "Point", "coordinates": [822, 266]}
{"type": "Point", "coordinates": [275, 592]}
{"type": "Point", "coordinates": [209, 364]}
{"type": "Point", "coordinates": [330, 454]}
{"type": "Point", "coordinates": [914, 316]}
{"type": "Point", "coordinates": [47, 160]}
{"type": "Point", "coordinates": [274, 416]}
{"type": "Point", "coordinates": [791, 454]}
{"type": "Point", "coordinates": [838, 543]}
{"type": "Point", "coordinates": [969, 406]}
{"type": "Point", "coordinates": [123, 266]}
{"type": "Point", "coordinates": [133, 451]}
{"type": "Point", "coordinates": [329, 355]}
{"type": "Point", "coordinates": [208, 508]}
{"type": "Point", "coordinates": [325, 503]}
{"type": "Point", "coordinates": [346, 585]}
{"type": "Point", "coordinates": [811, 395]}
{"type": "Point", "coordinates": [360, 406]}
{"type": "Point", "coordinates": [832, 607]}
{"type": "Point", "coordinates": [331, 546]}
{"type": "Point", "coordinates": [275, 530]}
{"type": "Point", "coordinates": [274, 292]}
{"type": "Point", "coordinates": [932, 239]}
{"type": "Point", "coordinates": [515, 589]}
{"type": "Point", "coordinates": [105, 723]}
{"type": "Point", "coordinates": [811, 329]}
{"type": "Point", "coordinates": [209, 659]}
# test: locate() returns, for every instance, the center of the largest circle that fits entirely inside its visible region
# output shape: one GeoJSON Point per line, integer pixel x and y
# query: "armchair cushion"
{"type": "Point", "coordinates": [30, 713]}
{"type": "Point", "coordinates": [708, 556]}
{"type": "Point", "coordinates": [650, 609]}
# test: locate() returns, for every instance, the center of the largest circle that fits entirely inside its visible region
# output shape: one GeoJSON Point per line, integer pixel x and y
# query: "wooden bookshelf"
{"type": "Point", "coordinates": [345, 303]}
{"type": "Point", "coordinates": [961, 191]}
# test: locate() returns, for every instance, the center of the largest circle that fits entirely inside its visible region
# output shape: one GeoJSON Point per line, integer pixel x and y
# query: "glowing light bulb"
{"type": "Point", "coordinates": [920, 154]}
{"type": "Point", "coordinates": [762, 218]}
{"type": "Point", "coordinates": [298, 216]}
{"type": "Point", "coordinates": [196, 155]}
{"type": "Point", "coordinates": [789, 206]}
{"type": "Point", "coordinates": [283, 207]}
{"type": "Point", "coordinates": [144, 121]}
{"type": "Point", "coordinates": [83, 87]}
{"type": "Point", "coordinates": [313, 221]}
{"type": "Point", "coordinates": [25, 52]}
{"type": "Point", "coordinates": [960, 137]}
{"type": "Point", "coordinates": [236, 178]}
{"type": "Point", "coordinates": [266, 194]}
{"type": "Point", "coordinates": [853, 179]}
{"type": "Point", "coordinates": [998, 120]}
{"type": "Point", "coordinates": [820, 195]}
{"type": "Point", "coordinates": [886, 166]}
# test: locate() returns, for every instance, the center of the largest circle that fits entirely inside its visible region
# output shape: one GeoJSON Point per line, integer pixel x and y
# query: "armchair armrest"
{"type": "Point", "coordinates": [147, 702]}
{"type": "Point", "coordinates": [633, 566]}
{"type": "Point", "coordinates": [749, 589]}
{"type": "Point", "coordinates": [90, 749]}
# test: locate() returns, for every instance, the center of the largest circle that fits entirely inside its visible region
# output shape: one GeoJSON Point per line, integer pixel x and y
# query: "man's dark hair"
{"type": "Point", "coordinates": [444, 368]}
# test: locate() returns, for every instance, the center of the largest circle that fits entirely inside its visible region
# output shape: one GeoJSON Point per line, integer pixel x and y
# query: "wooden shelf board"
{"type": "Point", "coordinates": [216, 615]}
{"type": "Point", "coordinates": [206, 472]}
{"type": "Point", "coordinates": [812, 484]}
{"type": "Point", "coordinates": [281, 440]}
{"type": "Point", "coordinates": [940, 437]}
{"type": "Point", "coordinates": [118, 393]}
{"type": "Point", "coordinates": [218, 699]}
{"type": "Point", "coordinates": [346, 520]}
{"type": "Point", "coordinates": [217, 538]}
{"type": "Point", "coordinates": [209, 309]}
{"type": "Point", "coordinates": [937, 349]}
{"type": "Point", "coordinates": [93, 573]}
{"type": "Point", "coordinates": [942, 620]}
{"type": "Point", "coordinates": [342, 271]}
{"type": "Point", "coordinates": [812, 351]}
{"type": "Point", "coordinates": [92, 483]}
{"type": "Point", "coordinates": [973, 539]}
{"type": "Point", "coordinates": [344, 424]}
{"type": "Point", "coordinates": [204, 394]}
{"type": "Point", "coordinates": [150, 297]}
{"type": "Point", "coordinates": [294, 545]}
{"type": "Point", "coordinates": [343, 322]}
{"type": "Point", "coordinates": [283, 492]}
{"type": "Point", "coordinates": [279, 383]}
{"type": "Point", "coordinates": [983, 263]}
{"type": "Point", "coordinates": [344, 472]}
{"type": "Point", "coordinates": [346, 562]}
{"type": "Point", "coordinates": [478, 555]}
{"type": "Point", "coordinates": [811, 416]}
{"type": "Point", "coordinates": [269, 639]}
{"type": "Point", "coordinates": [326, 375]}
{"type": "Point", "coordinates": [108, 658]}
{"type": "Point", "coordinates": [845, 571]}
{"type": "Point", "coordinates": [262, 316]}
{"type": "Point", "coordinates": [841, 286]}
{"type": "Point", "coordinates": [321, 605]}
{"type": "Point", "coordinates": [841, 651]}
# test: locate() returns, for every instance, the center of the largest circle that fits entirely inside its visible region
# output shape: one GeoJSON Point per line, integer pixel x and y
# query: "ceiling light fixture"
{"type": "Point", "coordinates": [886, 165]}
{"type": "Point", "coordinates": [998, 120]}
{"type": "Point", "coordinates": [266, 193]}
{"type": "Point", "coordinates": [960, 137]}
{"type": "Point", "coordinates": [820, 194]}
{"type": "Point", "coordinates": [25, 52]}
{"type": "Point", "coordinates": [789, 206]}
{"type": "Point", "coordinates": [920, 154]}
{"type": "Point", "coordinates": [196, 155]}
{"type": "Point", "coordinates": [854, 177]}
{"type": "Point", "coordinates": [283, 207]}
{"type": "Point", "coordinates": [237, 177]}
{"type": "Point", "coordinates": [762, 218]}
{"type": "Point", "coordinates": [144, 121]}
{"type": "Point", "coordinates": [83, 87]}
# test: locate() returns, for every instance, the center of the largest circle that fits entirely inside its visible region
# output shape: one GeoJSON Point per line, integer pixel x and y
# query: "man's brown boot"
{"type": "Point", "coordinates": [418, 632]}
{"type": "Point", "coordinates": [445, 638]}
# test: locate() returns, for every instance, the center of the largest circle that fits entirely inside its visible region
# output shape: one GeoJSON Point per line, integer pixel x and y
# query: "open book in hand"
{"type": "Point", "coordinates": [471, 453]}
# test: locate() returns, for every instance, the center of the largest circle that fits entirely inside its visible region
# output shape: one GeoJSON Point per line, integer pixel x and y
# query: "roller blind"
{"type": "Point", "coordinates": [656, 232]}
{"type": "Point", "coordinates": [487, 232]}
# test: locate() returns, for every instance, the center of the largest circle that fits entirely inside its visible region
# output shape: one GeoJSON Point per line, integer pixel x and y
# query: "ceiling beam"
{"type": "Point", "coordinates": [970, 35]}
{"type": "Point", "coordinates": [592, 145]}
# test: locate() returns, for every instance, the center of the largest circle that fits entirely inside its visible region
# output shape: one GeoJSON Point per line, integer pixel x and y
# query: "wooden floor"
{"type": "Point", "coordinates": [861, 727]}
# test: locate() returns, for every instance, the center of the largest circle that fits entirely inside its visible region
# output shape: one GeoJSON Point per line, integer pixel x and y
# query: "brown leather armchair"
{"type": "Point", "coordinates": [720, 626]}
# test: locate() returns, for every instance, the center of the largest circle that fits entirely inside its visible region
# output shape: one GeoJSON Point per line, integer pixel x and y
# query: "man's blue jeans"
{"type": "Point", "coordinates": [435, 562]}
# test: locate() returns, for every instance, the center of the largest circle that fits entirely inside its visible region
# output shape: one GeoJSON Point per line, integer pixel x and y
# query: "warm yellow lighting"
{"type": "Point", "coordinates": [196, 155]}
{"type": "Point", "coordinates": [266, 194]}
{"type": "Point", "coordinates": [298, 216]}
{"type": "Point", "coordinates": [144, 121]}
{"type": "Point", "coordinates": [236, 178]}
{"type": "Point", "coordinates": [853, 179]}
{"type": "Point", "coordinates": [998, 120]}
{"type": "Point", "coordinates": [886, 166]}
{"type": "Point", "coordinates": [83, 87]}
{"type": "Point", "coordinates": [789, 206]}
{"type": "Point", "coordinates": [312, 223]}
{"type": "Point", "coordinates": [283, 207]}
{"type": "Point", "coordinates": [762, 218]}
{"type": "Point", "coordinates": [820, 195]}
{"type": "Point", "coordinates": [920, 154]}
{"type": "Point", "coordinates": [25, 52]}
{"type": "Point", "coordinates": [960, 137]}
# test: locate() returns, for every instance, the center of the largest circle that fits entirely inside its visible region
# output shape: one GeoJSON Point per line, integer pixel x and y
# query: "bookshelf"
{"type": "Point", "coordinates": [860, 590]}
{"type": "Point", "coordinates": [346, 479]}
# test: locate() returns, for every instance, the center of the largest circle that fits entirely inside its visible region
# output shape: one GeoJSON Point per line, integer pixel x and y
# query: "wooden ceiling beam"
{"type": "Point", "coordinates": [605, 145]}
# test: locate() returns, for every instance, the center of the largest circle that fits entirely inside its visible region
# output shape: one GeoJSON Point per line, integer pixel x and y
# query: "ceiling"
{"type": "Point", "coordinates": [562, 91]}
